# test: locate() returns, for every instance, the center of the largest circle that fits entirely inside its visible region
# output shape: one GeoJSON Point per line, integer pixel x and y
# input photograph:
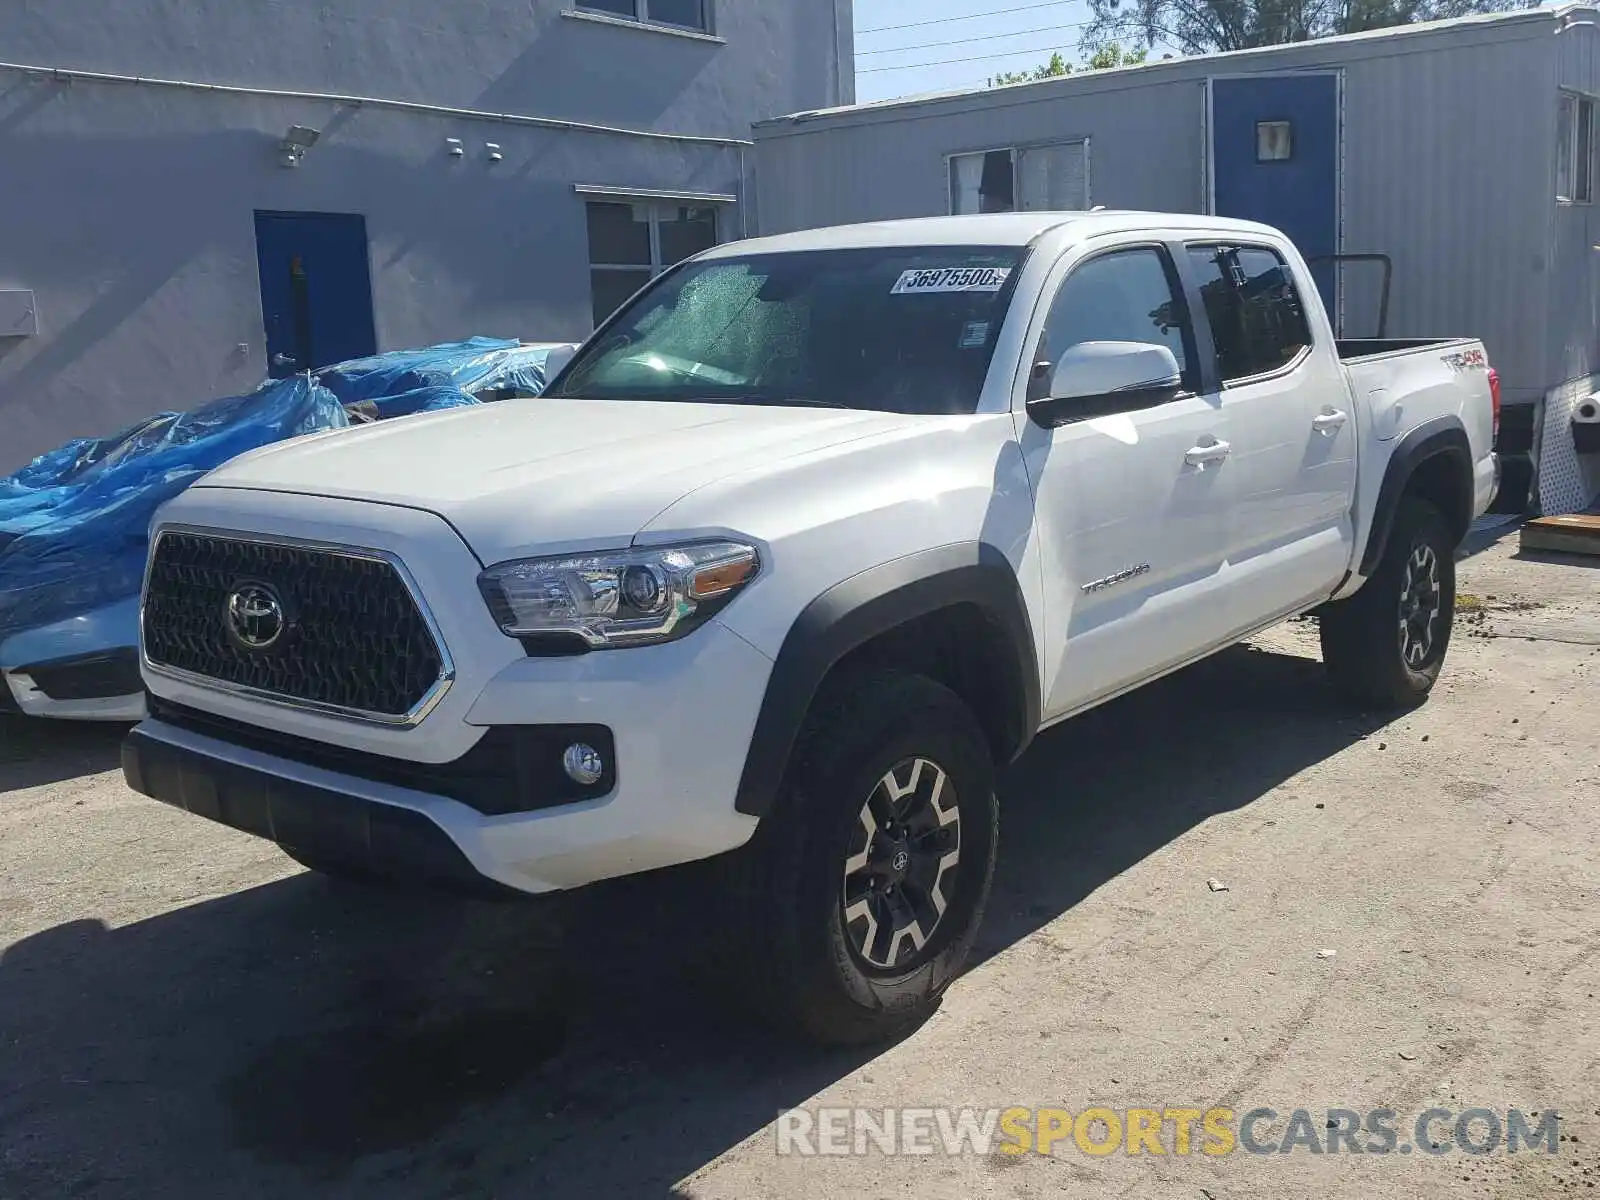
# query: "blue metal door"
{"type": "Point", "coordinates": [316, 290]}
{"type": "Point", "coordinates": [1275, 158]}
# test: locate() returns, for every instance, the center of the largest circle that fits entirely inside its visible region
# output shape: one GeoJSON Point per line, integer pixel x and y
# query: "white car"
{"type": "Point", "coordinates": [806, 542]}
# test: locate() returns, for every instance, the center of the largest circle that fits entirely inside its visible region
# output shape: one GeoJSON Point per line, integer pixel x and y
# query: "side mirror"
{"type": "Point", "coordinates": [1097, 379]}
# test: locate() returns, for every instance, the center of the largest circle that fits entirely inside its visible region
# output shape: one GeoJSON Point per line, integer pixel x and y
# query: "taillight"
{"type": "Point", "coordinates": [1494, 399]}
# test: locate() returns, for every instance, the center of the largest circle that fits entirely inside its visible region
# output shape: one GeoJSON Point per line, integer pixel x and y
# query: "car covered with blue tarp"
{"type": "Point", "coordinates": [74, 522]}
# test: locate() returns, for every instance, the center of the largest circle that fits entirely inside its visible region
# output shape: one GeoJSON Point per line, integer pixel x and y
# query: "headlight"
{"type": "Point", "coordinates": [617, 598]}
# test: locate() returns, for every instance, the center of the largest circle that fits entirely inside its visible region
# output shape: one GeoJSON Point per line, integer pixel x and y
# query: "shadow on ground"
{"type": "Point", "coordinates": [34, 752]}
{"type": "Point", "coordinates": [307, 1038]}
{"type": "Point", "coordinates": [1557, 558]}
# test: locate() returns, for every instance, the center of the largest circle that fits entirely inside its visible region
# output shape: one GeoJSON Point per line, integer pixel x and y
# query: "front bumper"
{"type": "Point", "coordinates": [378, 838]}
{"type": "Point", "coordinates": [92, 693]}
{"type": "Point", "coordinates": [681, 715]}
{"type": "Point", "coordinates": [83, 668]}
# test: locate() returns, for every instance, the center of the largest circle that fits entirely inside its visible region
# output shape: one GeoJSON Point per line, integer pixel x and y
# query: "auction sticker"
{"type": "Point", "coordinates": [951, 279]}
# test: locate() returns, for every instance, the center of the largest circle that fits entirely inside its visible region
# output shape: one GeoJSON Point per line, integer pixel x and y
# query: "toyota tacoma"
{"type": "Point", "coordinates": [802, 546]}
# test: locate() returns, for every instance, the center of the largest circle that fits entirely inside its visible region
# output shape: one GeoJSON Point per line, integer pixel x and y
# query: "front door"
{"type": "Point", "coordinates": [1275, 159]}
{"type": "Point", "coordinates": [316, 290]}
{"type": "Point", "coordinates": [1131, 509]}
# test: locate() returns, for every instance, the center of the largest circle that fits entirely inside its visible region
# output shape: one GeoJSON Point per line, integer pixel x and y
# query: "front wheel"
{"type": "Point", "coordinates": [1384, 646]}
{"type": "Point", "coordinates": [866, 883]}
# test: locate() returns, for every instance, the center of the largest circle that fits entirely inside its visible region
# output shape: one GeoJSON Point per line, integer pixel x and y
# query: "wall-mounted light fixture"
{"type": "Point", "coordinates": [296, 142]}
{"type": "Point", "coordinates": [494, 151]}
{"type": "Point", "coordinates": [454, 147]}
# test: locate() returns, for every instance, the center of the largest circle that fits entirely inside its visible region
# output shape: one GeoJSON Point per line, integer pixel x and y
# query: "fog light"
{"type": "Point", "coordinates": [583, 764]}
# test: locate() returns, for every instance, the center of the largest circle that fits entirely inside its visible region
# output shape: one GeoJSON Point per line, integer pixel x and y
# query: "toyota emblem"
{"type": "Point", "coordinates": [255, 616]}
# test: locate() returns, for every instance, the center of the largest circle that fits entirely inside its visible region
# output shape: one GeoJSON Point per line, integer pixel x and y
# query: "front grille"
{"type": "Point", "coordinates": [352, 635]}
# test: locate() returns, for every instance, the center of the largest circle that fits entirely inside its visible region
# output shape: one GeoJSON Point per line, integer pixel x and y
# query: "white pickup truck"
{"type": "Point", "coordinates": [807, 540]}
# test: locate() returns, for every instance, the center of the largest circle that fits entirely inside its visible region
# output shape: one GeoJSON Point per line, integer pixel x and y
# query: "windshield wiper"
{"type": "Point", "coordinates": [717, 398]}
{"type": "Point", "coordinates": [802, 402]}
{"type": "Point", "coordinates": [751, 398]}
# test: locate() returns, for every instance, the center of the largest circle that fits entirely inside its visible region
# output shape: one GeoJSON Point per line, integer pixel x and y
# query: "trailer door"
{"type": "Point", "coordinates": [1274, 157]}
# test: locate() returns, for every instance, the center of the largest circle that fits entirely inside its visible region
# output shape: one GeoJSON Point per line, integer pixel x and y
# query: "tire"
{"type": "Point", "coordinates": [845, 937]}
{"type": "Point", "coordinates": [1384, 646]}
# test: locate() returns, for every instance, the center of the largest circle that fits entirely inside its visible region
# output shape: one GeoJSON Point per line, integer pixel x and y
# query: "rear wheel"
{"type": "Point", "coordinates": [1384, 646]}
{"type": "Point", "coordinates": [866, 883]}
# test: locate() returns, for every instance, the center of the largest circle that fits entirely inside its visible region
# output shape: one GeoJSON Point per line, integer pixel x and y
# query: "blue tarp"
{"type": "Point", "coordinates": [73, 523]}
{"type": "Point", "coordinates": [478, 364]}
{"type": "Point", "coordinates": [405, 404]}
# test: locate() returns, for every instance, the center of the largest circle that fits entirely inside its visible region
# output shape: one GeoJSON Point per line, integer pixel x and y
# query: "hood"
{"type": "Point", "coordinates": [527, 477]}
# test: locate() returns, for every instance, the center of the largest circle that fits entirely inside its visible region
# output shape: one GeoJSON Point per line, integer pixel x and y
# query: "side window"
{"type": "Point", "coordinates": [1125, 296]}
{"type": "Point", "coordinates": [985, 182]}
{"type": "Point", "coordinates": [1575, 149]}
{"type": "Point", "coordinates": [1257, 320]}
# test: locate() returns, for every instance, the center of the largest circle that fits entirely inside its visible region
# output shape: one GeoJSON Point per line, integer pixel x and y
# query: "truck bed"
{"type": "Point", "coordinates": [1351, 349]}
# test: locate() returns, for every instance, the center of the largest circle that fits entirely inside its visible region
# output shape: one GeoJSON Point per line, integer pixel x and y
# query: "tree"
{"type": "Point", "coordinates": [1057, 66]}
{"type": "Point", "coordinates": [1113, 55]}
{"type": "Point", "coordinates": [1203, 26]}
{"type": "Point", "coordinates": [1109, 55]}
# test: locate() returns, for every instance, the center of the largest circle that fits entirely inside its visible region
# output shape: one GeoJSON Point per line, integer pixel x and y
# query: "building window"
{"type": "Point", "coordinates": [631, 243]}
{"type": "Point", "coordinates": [681, 14]}
{"type": "Point", "coordinates": [1575, 149]}
{"type": "Point", "coordinates": [1274, 141]}
{"type": "Point", "coordinates": [1028, 179]}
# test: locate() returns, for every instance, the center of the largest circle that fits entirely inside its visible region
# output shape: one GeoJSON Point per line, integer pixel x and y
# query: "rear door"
{"type": "Point", "coordinates": [1131, 509]}
{"type": "Point", "coordinates": [1293, 433]}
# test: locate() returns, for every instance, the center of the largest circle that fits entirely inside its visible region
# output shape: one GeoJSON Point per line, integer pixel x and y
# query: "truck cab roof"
{"type": "Point", "coordinates": [986, 229]}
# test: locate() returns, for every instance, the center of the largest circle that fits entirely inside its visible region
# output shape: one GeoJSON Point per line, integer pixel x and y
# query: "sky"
{"type": "Point", "coordinates": [916, 57]}
{"type": "Point", "coordinates": [908, 46]}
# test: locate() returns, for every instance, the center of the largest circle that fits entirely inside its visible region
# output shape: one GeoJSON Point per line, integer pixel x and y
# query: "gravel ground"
{"type": "Point", "coordinates": [184, 1012]}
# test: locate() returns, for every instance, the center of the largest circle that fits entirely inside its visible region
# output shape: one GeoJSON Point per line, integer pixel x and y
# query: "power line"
{"type": "Point", "coordinates": [969, 17]}
{"type": "Point", "coordinates": [945, 62]}
{"type": "Point", "coordinates": [987, 37]}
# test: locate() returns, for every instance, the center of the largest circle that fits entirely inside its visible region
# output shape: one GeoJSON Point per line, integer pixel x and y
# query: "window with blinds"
{"type": "Point", "coordinates": [1045, 178]}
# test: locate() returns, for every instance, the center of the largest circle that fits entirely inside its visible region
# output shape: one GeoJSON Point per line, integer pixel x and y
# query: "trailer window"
{"type": "Point", "coordinates": [1046, 178]}
{"type": "Point", "coordinates": [1274, 141]}
{"type": "Point", "coordinates": [983, 183]}
{"type": "Point", "coordinates": [1258, 322]}
{"type": "Point", "coordinates": [1575, 149]}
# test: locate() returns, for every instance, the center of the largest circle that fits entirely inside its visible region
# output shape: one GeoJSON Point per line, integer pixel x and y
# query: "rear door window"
{"type": "Point", "coordinates": [1258, 322]}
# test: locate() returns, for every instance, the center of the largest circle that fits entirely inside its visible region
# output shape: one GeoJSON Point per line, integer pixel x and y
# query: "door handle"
{"type": "Point", "coordinates": [1211, 452]}
{"type": "Point", "coordinates": [1329, 421]}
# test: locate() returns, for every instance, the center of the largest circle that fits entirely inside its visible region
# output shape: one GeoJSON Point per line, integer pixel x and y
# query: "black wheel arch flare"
{"type": "Point", "coordinates": [1441, 436]}
{"type": "Point", "coordinates": [877, 601]}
